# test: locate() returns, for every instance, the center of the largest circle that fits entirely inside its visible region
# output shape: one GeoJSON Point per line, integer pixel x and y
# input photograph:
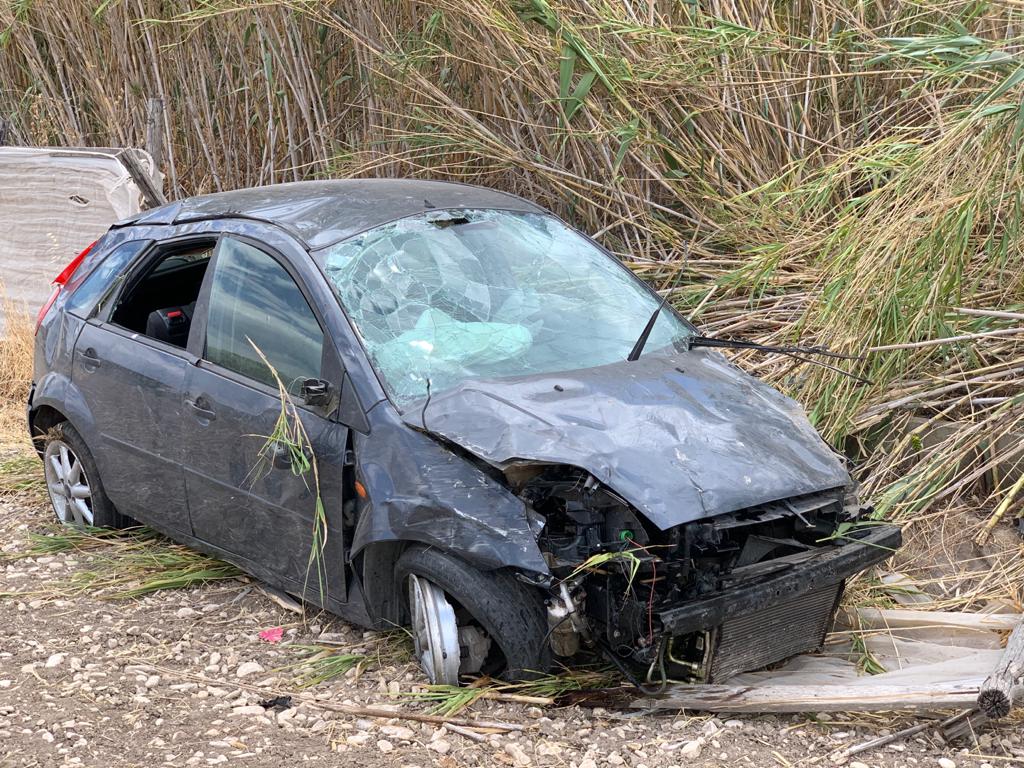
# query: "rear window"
{"type": "Point", "coordinates": [84, 299]}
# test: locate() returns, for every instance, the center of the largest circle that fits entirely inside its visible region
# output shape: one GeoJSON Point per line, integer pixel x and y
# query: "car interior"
{"type": "Point", "coordinates": [161, 299]}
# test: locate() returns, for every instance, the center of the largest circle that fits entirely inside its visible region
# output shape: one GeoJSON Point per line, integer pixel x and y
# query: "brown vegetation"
{"type": "Point", "coordinates": [847, 173]}
{"type": "Point", "coordinates": [16, 341]}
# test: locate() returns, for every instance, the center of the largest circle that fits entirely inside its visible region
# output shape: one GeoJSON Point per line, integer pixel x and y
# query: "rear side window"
{"type": "Point", "coordinates": [253, 297]}
{"type": "Point", "coordinates": [98, 282]}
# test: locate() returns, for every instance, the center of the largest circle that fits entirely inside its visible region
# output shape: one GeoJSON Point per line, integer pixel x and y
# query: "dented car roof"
{"type": "Point", "coordinates": [322, 213]}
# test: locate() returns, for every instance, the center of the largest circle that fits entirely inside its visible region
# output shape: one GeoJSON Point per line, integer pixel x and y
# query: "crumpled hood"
{"type": "Point", "coordinates": [681, 437]}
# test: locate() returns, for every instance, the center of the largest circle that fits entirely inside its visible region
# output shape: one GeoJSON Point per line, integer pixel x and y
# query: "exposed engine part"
{"type": "Point", "coordinates": [474, 645]}
{"type": "Point", "coordinates": [565, 623]}
{"type": "Point", "coordinates": [631, 573]}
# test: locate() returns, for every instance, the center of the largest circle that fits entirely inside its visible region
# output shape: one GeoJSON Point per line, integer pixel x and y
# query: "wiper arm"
{"type": "Point", "coordinates": [798, 353]}
{"type": "Point", "coordinates": [634, 353]}
{"type": "Point", "coordinates": [638, 347]}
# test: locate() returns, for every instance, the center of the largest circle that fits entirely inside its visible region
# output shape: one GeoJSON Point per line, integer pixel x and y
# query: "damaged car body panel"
{"type": "Point", "coordinates": [421, 491]}
{"type": "Point", "coordinates": [502, 466]}
{"type": "Point", "coordinates": [681, 437]}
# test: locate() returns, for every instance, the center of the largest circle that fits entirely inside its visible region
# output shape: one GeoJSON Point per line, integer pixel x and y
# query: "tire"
{"type": "Point", "coordinates": [511, 613]}
{"type": "Point", "coordinates": [69, 468]}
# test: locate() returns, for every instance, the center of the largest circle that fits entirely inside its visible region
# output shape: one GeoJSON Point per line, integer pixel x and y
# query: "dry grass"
{"type": "Point", "coordinates": [16, 348]}
{"type": "Point", "coordinates": [16, 342]}
{"type": "Point", "coordinates": [848, 173]}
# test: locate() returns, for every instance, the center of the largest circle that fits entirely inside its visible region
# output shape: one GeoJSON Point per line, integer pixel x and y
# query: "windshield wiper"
{"type": "Point", "coordinates": [634, 353]}
{"type": "Point", "coordinates": [796, 352]}
{"type": "Point", "coordinates": [638, 347]}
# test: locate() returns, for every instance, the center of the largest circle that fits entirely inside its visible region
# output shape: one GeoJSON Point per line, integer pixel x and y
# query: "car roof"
{"type": "Point", "coordinates": [321, 213]}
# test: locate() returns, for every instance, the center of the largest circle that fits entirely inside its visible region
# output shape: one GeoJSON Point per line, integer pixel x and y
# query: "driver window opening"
{"type": "Point", "coordinates": [161, 302]}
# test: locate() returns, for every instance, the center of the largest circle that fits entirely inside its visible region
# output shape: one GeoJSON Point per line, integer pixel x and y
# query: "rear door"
{"type": "Point", "coordinates": [249, 494]}
{"type": "Point", "coordinates": [132, 385]}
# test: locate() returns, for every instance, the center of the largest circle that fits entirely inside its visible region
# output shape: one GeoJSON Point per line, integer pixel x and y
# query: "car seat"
{"type": "Point", "coordinates": [171, 324]}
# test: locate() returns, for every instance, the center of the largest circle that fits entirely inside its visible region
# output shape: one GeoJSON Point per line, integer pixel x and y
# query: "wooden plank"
{"type": "Point", "coordinates": [815, 698]}
{"type": "Point", "coordinates": [155, 131]}
{"type": "Point", "coordinates": [901, 618]}
{"type": "Point", "coordinates": [150, 194]}
{"type": "Point", "coordinates": [997, 693]}
{"type": "Point", "coordinates": [961, 726]}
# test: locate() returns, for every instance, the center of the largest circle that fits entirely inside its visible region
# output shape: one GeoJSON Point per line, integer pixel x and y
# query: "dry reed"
{"type": "Point", "coordinates": [16, 342]}
{"type": "Point", "coordinates": [848, 173]}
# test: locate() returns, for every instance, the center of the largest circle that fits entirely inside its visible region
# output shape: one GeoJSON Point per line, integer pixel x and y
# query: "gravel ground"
{"type": "Point", "coordinates": [175, 679]}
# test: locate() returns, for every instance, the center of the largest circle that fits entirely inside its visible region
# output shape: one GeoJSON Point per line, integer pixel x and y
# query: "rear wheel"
{"type": "Point", "coordinates": [73, 482]}
{"type": "Point", "coordinates": [468, 621]}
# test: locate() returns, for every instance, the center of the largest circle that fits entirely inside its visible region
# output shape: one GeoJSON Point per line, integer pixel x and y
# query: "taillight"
{"type": "Point", "coordinates": [76, 262]}
{"type": "Point", "coordinates": [60, 281]}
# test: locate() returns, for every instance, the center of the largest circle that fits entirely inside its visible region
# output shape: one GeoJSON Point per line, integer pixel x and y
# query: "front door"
{"type": "Point", "coordinates": [250, 490]}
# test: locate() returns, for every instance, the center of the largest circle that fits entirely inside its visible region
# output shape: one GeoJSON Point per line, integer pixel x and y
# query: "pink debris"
{"type": "Point", "coordinates": [272, 635]}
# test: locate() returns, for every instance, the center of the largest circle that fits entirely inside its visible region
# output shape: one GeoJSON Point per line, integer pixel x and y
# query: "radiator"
{"type": "Point", "coordinates": [773, 633]}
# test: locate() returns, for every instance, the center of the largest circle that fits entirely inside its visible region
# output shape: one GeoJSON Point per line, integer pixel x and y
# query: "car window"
{"type": "Point", "coordinates": [254, 301]}
{"type": "Point", "coordinates": [162, 294]}
{"type": "Point", "coordinates": [85, 297]}
{"type": "Point", "coordinates": [451, 296]}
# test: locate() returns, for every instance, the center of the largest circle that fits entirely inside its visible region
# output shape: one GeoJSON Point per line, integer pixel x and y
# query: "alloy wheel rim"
{"type": "Point", "coordinates": [435, 632]}
{"type": "Point", "coordinates": [67, 484]}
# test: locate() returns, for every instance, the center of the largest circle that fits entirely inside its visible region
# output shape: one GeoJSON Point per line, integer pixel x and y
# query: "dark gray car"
{"type": "Point", "coordinates": [489, 466]}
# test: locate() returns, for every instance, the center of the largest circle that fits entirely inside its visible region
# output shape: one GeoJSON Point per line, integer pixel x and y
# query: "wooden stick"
{"type": "Point", "coordinates": [989, 313]}
{"type": "Point", "coordinates": [152, 196]}
{"type": "Point", "coordinates": [965, 724]}
{"type": "Point", "coordinates": [347, 709]}
{"type": "Point", "coordinates": [387, 714]}
{"type": "Point", "coordinates": [982, 538]}
{"type": "Point", "coordinates": [950, 729]}
{"type": "Point", "coordinates": [881, 741]}
{"type": "Point", "coordinates": [997, 692]}
{"type": "Point", "coordinates": [518, 698]}
{"type": "Point", "coordinates": [155, 131]}
{"type": "Point", "coordinates": [473, 735]}
{"type": "Point", "coordinates": [813, 698]}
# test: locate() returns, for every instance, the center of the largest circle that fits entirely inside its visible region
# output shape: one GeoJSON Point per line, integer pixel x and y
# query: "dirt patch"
{"type": "Point", "coordinates": [176, 678]}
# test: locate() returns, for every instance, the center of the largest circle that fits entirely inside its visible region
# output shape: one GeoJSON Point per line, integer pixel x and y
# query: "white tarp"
{"type": "Point", "coordinates": [54, 202]}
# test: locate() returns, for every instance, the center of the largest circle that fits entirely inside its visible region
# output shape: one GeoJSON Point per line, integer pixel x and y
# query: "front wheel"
{"type": "Point", "coordinates": [73, 482]}
{"type": "Point", "coordinates": [468, 621]}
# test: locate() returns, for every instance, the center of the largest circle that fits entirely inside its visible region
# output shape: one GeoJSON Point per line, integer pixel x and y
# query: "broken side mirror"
{"type": "Point", "coordinates": [315, 392]}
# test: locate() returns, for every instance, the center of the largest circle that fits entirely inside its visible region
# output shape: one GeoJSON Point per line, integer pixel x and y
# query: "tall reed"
{"type": "Point", "coordinates": [847, 173]}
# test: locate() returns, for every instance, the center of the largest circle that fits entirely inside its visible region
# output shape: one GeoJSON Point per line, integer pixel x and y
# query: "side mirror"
{"type": "Point", "coordinates": [316, 392]}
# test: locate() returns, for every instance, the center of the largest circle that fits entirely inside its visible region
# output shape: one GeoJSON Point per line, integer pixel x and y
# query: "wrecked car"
{"type": "Point", "coordinates": [520, 449]}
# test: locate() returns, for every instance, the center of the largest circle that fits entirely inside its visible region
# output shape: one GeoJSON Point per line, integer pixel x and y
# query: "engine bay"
{"type": "Point", "coordinates": [615, 575]}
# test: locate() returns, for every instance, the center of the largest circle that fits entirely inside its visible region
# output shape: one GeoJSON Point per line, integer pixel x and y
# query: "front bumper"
{"type": "Point", "coordinates": [831, 566]}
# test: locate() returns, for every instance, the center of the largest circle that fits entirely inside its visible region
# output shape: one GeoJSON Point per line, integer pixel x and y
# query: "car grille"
{"type": "Point", "coordinates": [773, 633]}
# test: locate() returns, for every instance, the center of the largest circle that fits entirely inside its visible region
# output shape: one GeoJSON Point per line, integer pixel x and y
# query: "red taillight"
{"type": "Point", "coordinates": [60, 281]}
{"type": "Point", "coordinates": [69, 270]}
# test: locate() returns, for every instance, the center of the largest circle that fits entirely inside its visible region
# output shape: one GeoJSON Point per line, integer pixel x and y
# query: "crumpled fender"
{"type": "Point", "coordinates": [419, 490]}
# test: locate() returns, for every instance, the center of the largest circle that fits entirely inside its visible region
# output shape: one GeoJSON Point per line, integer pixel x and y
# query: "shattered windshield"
{"type": "Point", "coordinates": [450, 296]}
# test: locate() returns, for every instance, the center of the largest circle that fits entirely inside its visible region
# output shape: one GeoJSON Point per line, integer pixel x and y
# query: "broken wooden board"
{"type": "Point", "coordinates": [817, 698]}
{"type": "Point", "coordinates": [1001, 688]}
{"type": "Point", "coordinates": [933, 661]}
{"type": "Point", "coordinates": [902, 618]}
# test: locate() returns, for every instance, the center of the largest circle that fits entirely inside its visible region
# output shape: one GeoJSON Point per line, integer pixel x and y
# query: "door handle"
{"type": "Point", "coordinates": [201, 409]}
{"type": "Point", "coordinates": [89, 358]}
